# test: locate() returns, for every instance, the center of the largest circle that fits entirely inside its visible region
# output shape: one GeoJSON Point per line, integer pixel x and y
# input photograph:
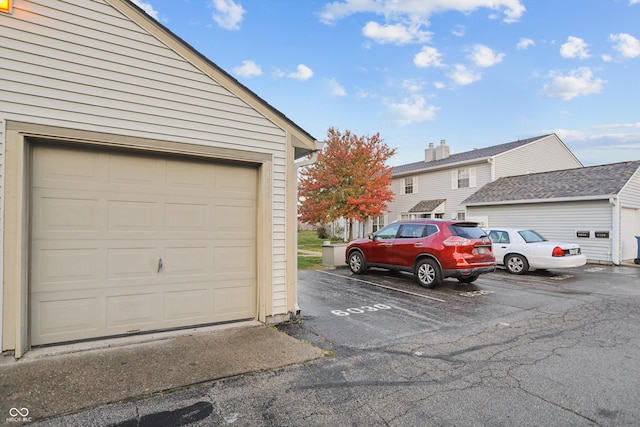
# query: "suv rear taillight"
{"type": "Point", "coordinates": [457, 241]}
{"type": "Point", "coordinates": [557, 251]}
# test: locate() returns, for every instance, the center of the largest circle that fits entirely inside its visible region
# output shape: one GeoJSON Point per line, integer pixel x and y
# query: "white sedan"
{"type": "Point", "coordinates": [519, 249]}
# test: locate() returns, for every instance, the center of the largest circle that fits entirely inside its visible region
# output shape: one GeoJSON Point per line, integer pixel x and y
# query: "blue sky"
{"type": "Point", "coordinates": [475, 73]}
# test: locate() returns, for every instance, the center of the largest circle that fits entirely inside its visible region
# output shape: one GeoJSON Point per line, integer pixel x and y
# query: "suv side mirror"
{"type": "Point", "coordinates": [372, 236]}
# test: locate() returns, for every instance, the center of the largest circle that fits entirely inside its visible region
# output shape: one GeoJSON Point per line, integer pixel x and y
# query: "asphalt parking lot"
{"type": "Point", "coordinates": [372, 308]}
{"type": "Point", "coordinates": [555, 348]}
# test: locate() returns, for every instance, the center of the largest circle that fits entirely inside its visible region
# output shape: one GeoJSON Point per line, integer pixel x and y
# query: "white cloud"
{"type": "Point", "coordinates": [575, 47]}
{"type": "Point", "coordinates": [303, 73]}
{"type": "Point", "coordinates": [484, 56]}
{"type": "Point", "coordinates": [626, 44]}
{"type": "Point", "coordinates": [525, 43]}
{"type": "Point", "coordinates": [607, 143]}
{"type": "Point", "coordinates": [416, 10]}
{"type": "Point", "coordinates": [634, 2]}
{"type": "Point", "coordinates": [428, 57]}
{"type": "Point", "coordinates": [459, 31]}
{"type": "Point", "coordinates": [578, 82]}
{"type": "Point", "coordinates": [412, 110]}
{"type": "Point", "coordinates": [412, 86]}
{"type": "Point", "coordinates": [248, 69]}
{"type": "Point", "coordinates": [336, 88]}
{"type": "Point", "coordinates": [396, 33]}
{"type": "Point", "coordinates": [148, 8]}
{"type": "Point", "coordinates": [228, 14]}
{"type": "Point", "coordinates": [462, 76]}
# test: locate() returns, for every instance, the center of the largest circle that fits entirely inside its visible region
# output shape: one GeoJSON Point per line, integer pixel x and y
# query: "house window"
{"type": "Point", "coordinates": [463, 178]}
{"type": "Point", "coordinates": [377, 223]}
{"type": "Point", "coordinates": [461, 215]}
{"type": "Point", "coordinates": [408, 185]}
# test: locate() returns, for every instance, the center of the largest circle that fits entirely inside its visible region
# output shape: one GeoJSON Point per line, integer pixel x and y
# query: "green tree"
{"type": "Point", "coordinates": [349, 180]}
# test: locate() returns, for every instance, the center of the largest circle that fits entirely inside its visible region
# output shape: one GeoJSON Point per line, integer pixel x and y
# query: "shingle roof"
{"type": "Point", "coordinates": [427, 205]}
{"type": "Point", "coordinates": [467, 155]}
{"type": "Point", "coordinates": [589, 181]}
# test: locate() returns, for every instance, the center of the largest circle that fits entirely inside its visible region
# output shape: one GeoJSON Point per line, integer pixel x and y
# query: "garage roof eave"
{"type": "Point", "coordinates": [534, 201]}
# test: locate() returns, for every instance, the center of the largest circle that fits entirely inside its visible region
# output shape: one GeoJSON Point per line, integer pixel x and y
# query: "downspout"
{"type": "Point", "coordinates": [318, 146]}
{"type": "Point", "coordinates": [615, 232]}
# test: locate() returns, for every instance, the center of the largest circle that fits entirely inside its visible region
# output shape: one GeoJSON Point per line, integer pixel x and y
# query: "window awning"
{"type": "Point", "coordinates": [428, 206]}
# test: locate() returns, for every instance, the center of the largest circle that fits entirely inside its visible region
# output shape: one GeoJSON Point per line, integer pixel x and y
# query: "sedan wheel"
{"type": "Point", "coordinates": [516, 264]}
{"type": "Point", "coordinates": [428, 273]}
{"type": "Point", "coordinates": [356, 262]}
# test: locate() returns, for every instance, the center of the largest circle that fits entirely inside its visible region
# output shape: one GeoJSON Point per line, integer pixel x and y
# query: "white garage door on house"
{"type": "Point", "coordinates": [123, 242]}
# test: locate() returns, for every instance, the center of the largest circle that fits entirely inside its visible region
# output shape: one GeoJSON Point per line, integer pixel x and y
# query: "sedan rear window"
{"type": "Point", "coordinates": [467, 231]}
{"type": "Point", "coordinates": [531, 236]}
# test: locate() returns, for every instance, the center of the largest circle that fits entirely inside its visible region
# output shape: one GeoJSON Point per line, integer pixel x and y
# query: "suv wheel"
{"type": "Point", "coordinates": [357, 263]}
{"type": "Point", "coordinates": [516, 264]}
{"type": "Point", "coordinates": [428, 273]}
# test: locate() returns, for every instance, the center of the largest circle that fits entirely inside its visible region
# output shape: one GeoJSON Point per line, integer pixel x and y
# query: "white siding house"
{"type": "Point", "coordinates": [437, 186]}
{"type": "Point", "coordinates": [597, 207]}
{"type": "Point", "coordinates": [141, 186]}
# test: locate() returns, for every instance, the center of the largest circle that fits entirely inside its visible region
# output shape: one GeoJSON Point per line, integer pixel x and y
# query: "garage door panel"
{"type": "Point", "coordinates": [132, 312]}
{"type": "Point", "coordinates": [67, 214]}
{"type": "Point", "coordinates": [190, 305]}
{"type": "Point", "coordinates": [135, 174]}
{"type": "Point", "coordinates": [180, 217]}
{"type": "Point", "coordinates": [235, 183]}
{"type": "Point", "coordinates": [237, 260]}
{"type": "Point", "coordinates": [96, 245]}
{"type": "Point", "coordinates": [67, 169]}
{"type": "Point", "coordinates": [63, 319]}
{"type": "Point", "coordinates": [64, 266]}
{"type": "Point", "coordinates": [132, 263]}
{"type": "Point", "coordinates": [134, 216]}
{"type": "Point", "coordinates": [186, 260]}
{"type": "Point", "coordinates": [234, 300]}
{"type": "Point", "coordinates": [193, 179]}
{"type": "Point", "coordinates": [235, 221]}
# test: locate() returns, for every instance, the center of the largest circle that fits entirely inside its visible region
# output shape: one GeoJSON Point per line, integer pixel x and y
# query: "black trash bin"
{"type": "Point", "coordinates": [637, 260]}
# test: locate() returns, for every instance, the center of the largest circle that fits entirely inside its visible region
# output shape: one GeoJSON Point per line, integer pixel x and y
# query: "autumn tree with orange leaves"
{"type": "Point", "coordinates": [349, 180]}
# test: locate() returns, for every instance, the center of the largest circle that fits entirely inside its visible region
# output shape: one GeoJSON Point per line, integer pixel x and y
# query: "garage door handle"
{"type": "Point", "coordinates": [159, 265]}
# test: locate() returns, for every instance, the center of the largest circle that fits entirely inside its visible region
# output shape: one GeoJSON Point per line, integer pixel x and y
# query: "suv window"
{"type": "Point", "coordinates": [468, 231]}
{"type": "Point", "coordinates": [431, 229]}
{"type": "Point", "coordinates": [388, 232]}
{"type": "Point", "coordinates": [412, 231]}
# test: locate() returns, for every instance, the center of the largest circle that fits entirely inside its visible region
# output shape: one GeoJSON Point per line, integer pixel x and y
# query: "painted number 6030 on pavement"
{"type": "Point", "coordinates": [360, 310]}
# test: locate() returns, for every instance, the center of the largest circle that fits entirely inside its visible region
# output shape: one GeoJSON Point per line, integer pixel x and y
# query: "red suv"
{"type": "Point", "coordinates": [431, 249]}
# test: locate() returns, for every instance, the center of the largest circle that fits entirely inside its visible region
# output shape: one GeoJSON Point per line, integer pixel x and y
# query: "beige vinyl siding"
{"type": "Point", "coordinates": [84, 65]}
{"type": "Point", "coordinates": [550, 219]}
{"type": "Point", "coordinates": [543, 155]}
{"type": "Point", "coordinates": [84, 86]}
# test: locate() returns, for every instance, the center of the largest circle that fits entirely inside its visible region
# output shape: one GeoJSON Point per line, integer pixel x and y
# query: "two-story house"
{"type": "Point", "coordinates": [437, 186]}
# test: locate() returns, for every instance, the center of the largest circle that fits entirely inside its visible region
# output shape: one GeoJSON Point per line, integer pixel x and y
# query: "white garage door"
{"type": "Point", "coordinates": [122, 243]}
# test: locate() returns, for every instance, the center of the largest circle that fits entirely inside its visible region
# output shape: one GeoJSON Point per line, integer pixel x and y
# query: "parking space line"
{"type": "Point", "coordinates": [383, 286]}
